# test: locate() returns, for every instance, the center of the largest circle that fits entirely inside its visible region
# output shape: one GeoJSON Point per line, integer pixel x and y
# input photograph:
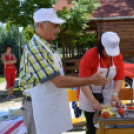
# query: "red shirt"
{"type": "Point", "coordinates": [90, 62]}
{"type": "Point", "coordinates": [9, 58]}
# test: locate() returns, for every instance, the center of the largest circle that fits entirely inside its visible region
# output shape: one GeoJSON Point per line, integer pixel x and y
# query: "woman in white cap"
{"type": "Point", "coordinates": [105, 58]}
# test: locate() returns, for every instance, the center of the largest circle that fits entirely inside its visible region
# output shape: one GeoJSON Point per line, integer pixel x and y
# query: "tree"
{"type": "Point", "coordinates": [23, 40]}
{"type": "Point", "coordinates": [29, 31]}
{"type": "Point", "coordinates": [2, 39]}
{"type": "Point", "coordinates": [9, 37]}
{"type": "Point", "coordinates": [77, 17]}
{"type": "Point", "coordinates": [20, 12]}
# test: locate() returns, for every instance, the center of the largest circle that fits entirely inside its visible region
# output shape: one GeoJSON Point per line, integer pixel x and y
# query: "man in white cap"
{"type": "Point", "coordinates": [43, 80]}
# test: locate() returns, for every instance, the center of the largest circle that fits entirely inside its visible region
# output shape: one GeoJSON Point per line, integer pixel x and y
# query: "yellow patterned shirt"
{"type": "Point", "coordinates": [37, 64]}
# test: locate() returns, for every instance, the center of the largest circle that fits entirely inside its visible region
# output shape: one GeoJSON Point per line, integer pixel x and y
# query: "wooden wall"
{"type": "Point", "coordinates": [125, 30]}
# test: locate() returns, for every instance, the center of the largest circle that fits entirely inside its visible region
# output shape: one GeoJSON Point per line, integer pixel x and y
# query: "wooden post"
{"type": "Point", "coordinates": [71, 42]}
{"type": "Point", "coordinates": [63, 44]}
{"type": "Point", "coordinates": [99, 30]}
{"type": "Point", "coordinates": [78, 47]}
{"type": "Point", "coordinates": [69, 45]}
{"type": "Point", "coordinates": [66, 39]}
{"type": "Point", "coordinates": [82, 49]}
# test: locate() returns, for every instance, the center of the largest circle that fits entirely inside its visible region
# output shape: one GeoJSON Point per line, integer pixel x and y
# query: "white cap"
{"type": "Point", "coordinates": [47, 14]}
{"type": "Point", "coordinates": [110, 41]}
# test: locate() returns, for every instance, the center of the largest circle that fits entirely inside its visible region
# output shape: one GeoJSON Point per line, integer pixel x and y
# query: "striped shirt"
{"type": "Point", "coordinates": [37, 64]}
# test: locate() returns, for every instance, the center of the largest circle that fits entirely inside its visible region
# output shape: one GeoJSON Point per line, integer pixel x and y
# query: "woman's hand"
{"type": "Point", "coordinates": [118, 102]}
{"type": "Point", "coordinates": [95, 105]}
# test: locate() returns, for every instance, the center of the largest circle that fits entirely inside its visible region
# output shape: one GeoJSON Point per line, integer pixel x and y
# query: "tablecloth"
{"type": "Point", "coordinates": [13, 126]}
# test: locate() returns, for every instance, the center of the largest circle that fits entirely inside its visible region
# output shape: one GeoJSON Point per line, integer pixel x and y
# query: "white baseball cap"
{"type": "Point", "coordinates": [47, 14]}
{"type": "Point", "coordinates": [110, 41]}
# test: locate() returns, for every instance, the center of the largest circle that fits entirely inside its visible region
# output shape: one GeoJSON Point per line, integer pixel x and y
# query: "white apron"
{"type": "Point", "coordinates": [107, 91]}
{"type": "Point", "coordinates": [50, 104]}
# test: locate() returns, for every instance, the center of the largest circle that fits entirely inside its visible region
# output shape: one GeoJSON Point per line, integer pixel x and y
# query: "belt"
{"type": "Point", "coordinates": [10, 67]}
{"type": "Point", "coordinates": [27, 98]}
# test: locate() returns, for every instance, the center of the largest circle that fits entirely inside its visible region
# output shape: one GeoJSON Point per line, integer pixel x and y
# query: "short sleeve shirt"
{"type": "Point", "coordinates": [90, 62]}
{"type": "Point", "coordinates": [37, 64]}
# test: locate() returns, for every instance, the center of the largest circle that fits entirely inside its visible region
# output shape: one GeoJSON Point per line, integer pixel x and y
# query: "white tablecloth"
{"type": "Point", "coordinates": [13, 126]}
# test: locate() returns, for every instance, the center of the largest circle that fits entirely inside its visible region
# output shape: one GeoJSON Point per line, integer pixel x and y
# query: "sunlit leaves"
{"type": "Point", "coordinates": [20, 12]}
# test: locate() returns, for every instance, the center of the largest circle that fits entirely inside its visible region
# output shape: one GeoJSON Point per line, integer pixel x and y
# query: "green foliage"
{"type": "Point", "coordinates": [77, 18]}
{"type": "Point", "coordinates": [10, 37]}
{"type": "Point", "coordinates": [20, 12]}
{"type": "Point", "coordinates": [23, 40]}
{"type": "Point", "coordinates": [2, 78]}
{"type": "Point", "coordinates": [29, 31]}
{"type": "Point", "coordinates": [2, 39]}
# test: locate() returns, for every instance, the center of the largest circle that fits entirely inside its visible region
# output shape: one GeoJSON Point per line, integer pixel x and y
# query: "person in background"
{"type": "Point", "coordinates": [10, 70]}
{"type": "Point", "coordinates": [105, 55]}
{"type": "Point", "coordinates": [77, 111]}
{"type": "Point", "coordinates": [45, 107]}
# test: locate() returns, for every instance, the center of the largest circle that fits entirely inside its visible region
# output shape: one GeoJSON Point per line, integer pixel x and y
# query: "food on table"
{"type": "Point", "coordinates": [108, 109]}
{"type": "Point", "coordinates": [105, 114]}
{"type": "Point", "coordinates": [121, 111]}
{"type": "Point", "coordinates": [105, 106]}
{"type": "Point", "coordinates": [130, 107]}
{"type": "Point", "coordinates": [16, 111]}
{"type": "Point", "coordinates": [7, 116]}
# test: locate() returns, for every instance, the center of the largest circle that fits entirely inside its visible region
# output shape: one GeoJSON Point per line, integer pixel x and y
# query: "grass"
{"type": "Point", "coordinates": [2, 78]}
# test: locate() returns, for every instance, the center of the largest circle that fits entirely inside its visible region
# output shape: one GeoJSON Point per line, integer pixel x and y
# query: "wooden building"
{"type": "Point", "coordinates": [112, 15]}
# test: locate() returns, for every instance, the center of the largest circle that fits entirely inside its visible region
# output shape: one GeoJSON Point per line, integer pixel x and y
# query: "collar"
{"type": "Point", "coordinates": [51, 46]}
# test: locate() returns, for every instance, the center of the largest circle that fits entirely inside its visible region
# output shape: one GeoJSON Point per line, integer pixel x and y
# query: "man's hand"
{"type": "Point", "coordinates": [117, 101]}
{"type": "Point", "coordinates": [95, 105]}
{"type": "Point", "coordinates": [98, 80]}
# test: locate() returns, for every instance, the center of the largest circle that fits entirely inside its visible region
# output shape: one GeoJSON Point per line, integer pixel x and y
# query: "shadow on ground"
{"type": "Point", "coordinates": [16, 93]}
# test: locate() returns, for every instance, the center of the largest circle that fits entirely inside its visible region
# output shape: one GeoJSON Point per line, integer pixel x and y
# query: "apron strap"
{"type": "Point", "coordinates": [106, 75]}
{"type": "Point", "coordinates": [107, 72]}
